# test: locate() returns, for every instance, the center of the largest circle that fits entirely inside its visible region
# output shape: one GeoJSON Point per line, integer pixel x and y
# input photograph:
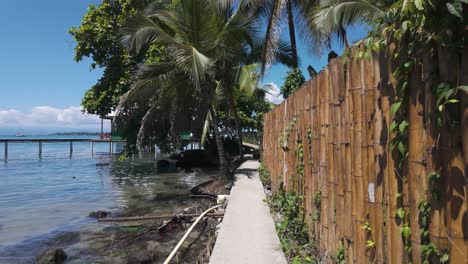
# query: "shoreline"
{"type": "Point", "coordinates": [130, 242]}
{"type": "Point", "coordinates": [123, 242]}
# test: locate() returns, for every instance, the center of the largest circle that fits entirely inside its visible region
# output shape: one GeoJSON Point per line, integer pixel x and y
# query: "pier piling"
{"type": "Point", "coordinates": [70, 141]}
{"type": "Point", "coordinates": [40, 149]}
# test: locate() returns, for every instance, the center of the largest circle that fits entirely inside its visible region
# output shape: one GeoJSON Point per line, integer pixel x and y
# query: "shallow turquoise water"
{"type": "Point", "coordinates": [56, 193]}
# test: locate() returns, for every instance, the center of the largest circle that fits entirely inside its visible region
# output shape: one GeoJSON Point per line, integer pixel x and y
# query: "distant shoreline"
{"type": "Point", "coordinates": [74, 134]}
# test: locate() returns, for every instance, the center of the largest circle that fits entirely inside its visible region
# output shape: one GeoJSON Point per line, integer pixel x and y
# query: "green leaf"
{"type": "Point", "coordinates": [395, 106]}
{"type": "Point", "coordinates": [400, 213]}
{"type": "Point", "coordinates": [402, 148]}
{"type": "Point", "coordinates": [440, 108]}
{"type": "Point", "coordinates": [393, 126]}
{"type": "Point", "coordinates": [370, 244]}
{"type": "Point", "coordinates": [452, 101]}
{"type": "Point", "coordinates": [403, 125]}
{"type": "Point", "coordinates": [405, 231]}
{"type": "Point", "coordinates": [445, 258]}
{"type": "Point", "coordinates": [463, 87]}
{"type": "Point", "coordinates": [419, 4]}
{"type": "Point", "coordinates": [455, 9]}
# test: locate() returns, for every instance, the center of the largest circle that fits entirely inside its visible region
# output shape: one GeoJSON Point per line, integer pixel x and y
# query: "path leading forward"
{"type": "Point", "coordinates": [247, 233]}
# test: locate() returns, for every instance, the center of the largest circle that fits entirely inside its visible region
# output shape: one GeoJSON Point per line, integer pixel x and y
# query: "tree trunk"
{"type": "Point", "coordinates": [238, 128]}
{"type": "Point", "coordinates": [292, 34]}
{"type": "Point", "coordinates": [223, 162]}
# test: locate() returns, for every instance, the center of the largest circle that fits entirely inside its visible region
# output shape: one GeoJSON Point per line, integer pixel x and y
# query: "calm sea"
{"type": "Point", "coordinates": [44, 196]}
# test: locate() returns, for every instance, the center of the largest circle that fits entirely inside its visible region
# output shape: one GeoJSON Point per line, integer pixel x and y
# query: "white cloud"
{"type": "Point", "coordinates": [47, 116]}
{"type": "Point", "coordinates": [274, 94]}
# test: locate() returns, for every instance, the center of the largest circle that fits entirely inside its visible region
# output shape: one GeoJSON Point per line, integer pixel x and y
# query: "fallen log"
{"type": "Point", "coordinates": [153, 217]}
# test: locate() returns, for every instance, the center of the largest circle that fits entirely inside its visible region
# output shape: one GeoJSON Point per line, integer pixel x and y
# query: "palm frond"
{"type": "Point", "coordinates": [206, 127]}
{"type": "Point", "coordinates": [194, 63]}
{"type": "Point", "coordinates": [140, 31]}
{"type": "Point", "coordinates": [248, 79]}
{"type": "Point", "coordinates": [334, 16]}
{"type": "Point", "coordinates": [145, 122]}
{"type": "Point", "coordinates": [272, 34]}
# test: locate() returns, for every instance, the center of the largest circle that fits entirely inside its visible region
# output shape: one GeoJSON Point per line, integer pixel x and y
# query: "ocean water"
{"type": "Point", "coordinates": [40, 197]}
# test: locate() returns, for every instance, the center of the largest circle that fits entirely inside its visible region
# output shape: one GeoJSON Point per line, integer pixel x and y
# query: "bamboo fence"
{"type": "Point", "coordinates": [342, 120]}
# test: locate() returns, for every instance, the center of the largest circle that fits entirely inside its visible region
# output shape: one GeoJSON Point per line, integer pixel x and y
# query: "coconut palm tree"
{"type": "Point", "coordinates": [277, 13]}
{"type": "Point", "coordinates": [332, 17]}
{"type": "Point", "coordinates": [204, 40]}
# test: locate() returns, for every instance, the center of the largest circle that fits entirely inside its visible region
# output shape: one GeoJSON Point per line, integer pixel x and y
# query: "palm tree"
{"type": "Point", "coordinates": [278, 12]}
{"type": "Point", "coordinates": [245, 79]}
{"type": "Point", "coordinates": [204, 38]}
{"type": "Point", "coordinates": [332, 17]}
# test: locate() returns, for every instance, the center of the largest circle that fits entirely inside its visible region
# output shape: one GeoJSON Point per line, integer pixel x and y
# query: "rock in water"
{"type": "Point", "coordinates": [98, 214]}
{"type": "Point", "coordinates": [51, 256]}
{"type": "Point", "coordinates": [140, 257]}
{"type": "Point", "coordinates": [163, 164]}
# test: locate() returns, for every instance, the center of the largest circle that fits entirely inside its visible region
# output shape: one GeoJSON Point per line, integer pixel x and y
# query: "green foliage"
{"type": "Point", "coordinates": [367, 226]}
{"type": "Point", "coordinates": [434, 183]}
{"type": "Point", "coordinates": [317, 199]}
{"type": "Point", "coordinates": [445, 94]}
{"type": "Point", "coordinates": [264, 175]}
{"type": "Point", "coordinates": [401, 213]}
{"type": "Point", "coordinates": [340, 255]}
{"type": "Point", "coordinates": [429, 252]}
{"type": "Point", "coordinates": [283, 139]}
{"type": "Point", "coordinates": [416, 28]}
{"type": "Point", "coordinates": [250, 109]}
{"type": "Point", "coordinates": [300, 167]}
{"type": "Point", "coordinates": [124, 156]}
{"type": "Point", "coordinates": [292, 230]}
{"type": "Point", "coordinates": [370, 244]}
{"type": "Point", "coordinates": [309, 146]}
{"type": "Point", "coordinates": [98, 38]}
{"type": "Point", "coordinates": [294, 80]}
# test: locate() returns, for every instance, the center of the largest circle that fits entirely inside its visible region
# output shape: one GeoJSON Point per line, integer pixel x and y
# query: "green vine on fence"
{"type": "Point", "coordinates": [317, 199]}
{"type": "Point", "coordinates": [415, 29]}
{"type": "Point", "coordinates": [309, 146]}
{"type": "Point", "coordinates": [283, 139]}
{"type": "Point", "coordinates": [429, 251]}
{"type": "Point", "coordinates": [300, 169]}
{"type": "Point", "coordinates": [340, 255]}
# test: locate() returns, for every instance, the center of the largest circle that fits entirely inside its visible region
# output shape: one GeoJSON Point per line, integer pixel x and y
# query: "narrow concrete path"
{"type": "Point", "coordinates": [247, 233]}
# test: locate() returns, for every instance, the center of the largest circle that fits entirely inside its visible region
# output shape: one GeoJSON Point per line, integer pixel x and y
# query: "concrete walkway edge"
{"type": "Point", "coordinates": [247, 233]}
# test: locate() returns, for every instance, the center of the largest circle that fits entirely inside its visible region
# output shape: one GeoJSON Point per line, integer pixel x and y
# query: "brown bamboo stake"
{"type": "Point", "coordinates": [394, 184]}
{"type": "Point", "coordinates": [380, 169]}
{"type": "Point", "coordinates": [359, 210]}
{"type": "Point", "coordinates": [454, 168]}
{"type": "Point", "coordinates": [350, 195]}
{"type": "Point", "coordinates": [437, 232]}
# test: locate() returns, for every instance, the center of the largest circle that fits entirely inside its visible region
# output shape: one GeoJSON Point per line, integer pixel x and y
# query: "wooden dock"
{"type": "Point", "coordinates": [71, 141]}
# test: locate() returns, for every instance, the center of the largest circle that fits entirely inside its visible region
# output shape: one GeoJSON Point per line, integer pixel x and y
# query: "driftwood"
{"type": "Point", "coordinates": [140, 218]}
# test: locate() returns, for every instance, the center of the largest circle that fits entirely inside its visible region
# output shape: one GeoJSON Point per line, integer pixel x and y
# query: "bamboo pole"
{"type": "Point", "coordinates": [380, 168]}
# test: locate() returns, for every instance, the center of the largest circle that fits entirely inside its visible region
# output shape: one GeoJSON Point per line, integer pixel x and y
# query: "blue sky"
{"type": "Point", "coordinates": [39, 78]}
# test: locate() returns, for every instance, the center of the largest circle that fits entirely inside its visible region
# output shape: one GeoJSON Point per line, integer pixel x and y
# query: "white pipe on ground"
{"type": "Point", "coordinates": [174, 251]}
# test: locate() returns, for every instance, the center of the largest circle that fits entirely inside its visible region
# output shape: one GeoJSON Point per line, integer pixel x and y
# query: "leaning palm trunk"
{"type": "Point", "coordinates": [143, 128]}
{"type": "Point", "coordinates": [223, 162]}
